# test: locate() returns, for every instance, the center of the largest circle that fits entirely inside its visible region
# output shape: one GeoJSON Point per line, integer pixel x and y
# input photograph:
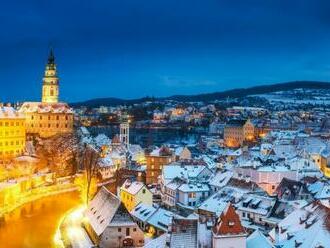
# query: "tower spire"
{"type": "Point", "coordinates": [51, 57]}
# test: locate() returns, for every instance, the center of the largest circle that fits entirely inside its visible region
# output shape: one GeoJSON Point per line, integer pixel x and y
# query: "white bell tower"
{"type": "Point", "coordinates": [124, 132]}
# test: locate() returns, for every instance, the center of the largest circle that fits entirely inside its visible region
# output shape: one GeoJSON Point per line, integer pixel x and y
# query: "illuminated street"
{"type": "Point", "coordinates": [72, 229]}
{"type": "Point", "coordinates": [34, 224]}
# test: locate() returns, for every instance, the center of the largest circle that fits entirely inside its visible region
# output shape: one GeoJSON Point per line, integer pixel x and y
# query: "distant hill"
{"type": "Point", "coordinates": [235, 93]}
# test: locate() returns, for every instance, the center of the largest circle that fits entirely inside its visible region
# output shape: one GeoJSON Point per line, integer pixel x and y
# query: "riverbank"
{"type": "Point", "coordinates": [36, 194]}
{"type": "Point", "coordinates": [34, 224]}
{"type": "Point", "coordinates": [71, 232]}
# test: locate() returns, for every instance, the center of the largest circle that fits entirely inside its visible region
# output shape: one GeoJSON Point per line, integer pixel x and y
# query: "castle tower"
{"type": "Point", "coordinates": [50, 87]}
{"type": "Point", "coordinates": [124, 131]}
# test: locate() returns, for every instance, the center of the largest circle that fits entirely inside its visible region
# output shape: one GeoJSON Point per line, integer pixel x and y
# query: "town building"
{"type": "Point", "coordinates": [109, 224]}
{"type": "Point", "coordinates": [290, 190]}
{"type": "Point", "coordinates": [48, 117]}
{"type": "Point", "coordinates": [152, 219]}
{"type": "Point", "coordinates": [237, 132]}
{"type": "Point", "coordinates": [184, 185]}
{"type": "Point", "coordinates": [228, 231]}
{"type": "Point", "coordinates": [156, 160]}
{"type": "Point", "coordinates": [133, 193]}
{"type": "Point", "coordinates": [183, 232]}
{"type": "Point", "coordinates": [182, 153]}
{"type": "Point", "coordinates": [12, 133]}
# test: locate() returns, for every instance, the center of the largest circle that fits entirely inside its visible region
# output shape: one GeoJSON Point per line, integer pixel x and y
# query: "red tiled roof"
{"type": "Point", "coordinates": [116, 139]}
{"type": "Point", "coordinates": [228, 223]}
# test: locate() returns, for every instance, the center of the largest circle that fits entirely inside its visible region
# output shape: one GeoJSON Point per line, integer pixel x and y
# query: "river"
{"type": "Point", "coordinates": [33, 225]}
{"type": "Point", "coordinates": [151, 136]}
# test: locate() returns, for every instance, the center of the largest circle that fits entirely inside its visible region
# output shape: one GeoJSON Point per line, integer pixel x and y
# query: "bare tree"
{"type": "Point", "coordinates": [90, 159]}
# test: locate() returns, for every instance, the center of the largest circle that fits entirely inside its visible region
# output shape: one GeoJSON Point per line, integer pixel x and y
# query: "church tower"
{"type": "Point", "coordinates": [50, 87]}
{"type": "Point", "coordinates": [124, 130]}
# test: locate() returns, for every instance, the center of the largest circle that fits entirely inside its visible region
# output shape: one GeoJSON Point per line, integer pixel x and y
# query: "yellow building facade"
{"type": "Point", "coordinates": [46, 120]}
{"type": "Point", "coordinates": [49, 117]}
{"type": "Point", "coordinates": [132, 193]}
{"type": "Point", "coordinates": [238, 131]}
{"type": "Point", "coordinates": [12, 133]}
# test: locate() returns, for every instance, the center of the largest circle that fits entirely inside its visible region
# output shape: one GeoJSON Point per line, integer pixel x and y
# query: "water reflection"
{"type": "Point", "coordinates": [34, 224]}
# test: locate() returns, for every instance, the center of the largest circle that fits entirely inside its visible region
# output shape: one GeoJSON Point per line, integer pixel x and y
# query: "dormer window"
{"type": "Point", "coordinates": [231, 223]}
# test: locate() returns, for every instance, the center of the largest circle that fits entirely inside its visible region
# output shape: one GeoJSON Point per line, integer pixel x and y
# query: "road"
{"type": "Point", "coordinates": [33, 225]}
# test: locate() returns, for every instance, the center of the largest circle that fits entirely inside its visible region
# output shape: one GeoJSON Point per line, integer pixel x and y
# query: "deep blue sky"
{"type": "Point", "coordinates": [134, 48]}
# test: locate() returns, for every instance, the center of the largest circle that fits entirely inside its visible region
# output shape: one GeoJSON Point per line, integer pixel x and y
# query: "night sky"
{"type": "Point", "coordinates": [135, 48]}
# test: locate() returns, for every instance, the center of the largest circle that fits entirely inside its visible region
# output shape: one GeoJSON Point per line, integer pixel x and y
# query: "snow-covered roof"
{"type": "Point", "coordinates": [161, 219]}
{"type": "Point", "coordinates": [143, 211]}
{"type": "Point", "coordinates": [214, 204]}
{"type": "Point", "coordinates": [41, 107]}
{"type": "Point", "coordinates": [10, 113]}
{"type": "Point", "coordinates": [220, 179]}
{"type": "Point", "coordinates": [101, 210]}
{"type": "Point", "coordinates": [320, 190]}
{"type": "Point", "coordinates": [159, 242]}
{"type": "Point", "coordinates": [162, 151]}
{"type": "Point", "coordinates": [305, 228]}
{"type": "Point", "coordinates": [182, 171]}
{"type": "Point", "coordinates": [258, 240]}
{"type": "Point", "coordinates": [183, 233]}
{"type": "Point", "coordinates": [194, 187]}
{"type": "Point", "coordinates": [102, 140]}
{"type": "Point", "coordinates": [132, 187]}
{"type": "Point", "coordinates": [257, 204]}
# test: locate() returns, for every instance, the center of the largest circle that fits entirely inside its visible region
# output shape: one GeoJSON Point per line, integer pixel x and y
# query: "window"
{"type": "Point", "coordinates": [143, 191]}
{"type": "Point", "coordinates": [119, 229]}
{"type": "Point", "coordinates": [127, 231]}
{"type": "Point", "coordinates": [134, 229]}
{"type": "Point", "coordinates": [192, 195]}
{"type": "Point", "coordinates": [231, 223]}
